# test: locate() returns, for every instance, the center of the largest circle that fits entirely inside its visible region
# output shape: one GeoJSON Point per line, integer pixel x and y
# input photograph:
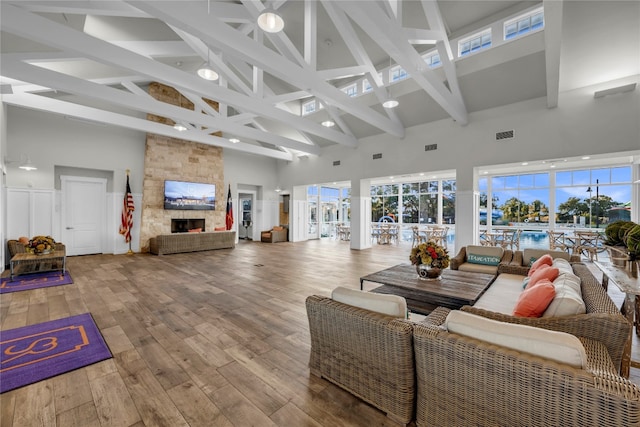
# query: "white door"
{"type": "Point", "coordinates": [83, 214]}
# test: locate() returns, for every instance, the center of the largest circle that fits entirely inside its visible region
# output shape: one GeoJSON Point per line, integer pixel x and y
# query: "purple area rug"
{"type": "Point", "coordinates": [34, 353]}
{"type": "Point", "coordinates": [34, 281]}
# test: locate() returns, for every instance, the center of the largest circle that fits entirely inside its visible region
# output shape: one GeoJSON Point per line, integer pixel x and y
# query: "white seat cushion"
{"type": "Point", "coordinates": [502, 295]}
{"type": "Point", "coordinates": [568, 300]}
{"type": "Point", "coordinates": [392, 305]}
{"type": "Point", "coordinates": [558, 346]}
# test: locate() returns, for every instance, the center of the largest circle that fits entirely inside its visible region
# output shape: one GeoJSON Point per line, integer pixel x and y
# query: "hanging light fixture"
{"type": "Point", "coordinates": [27, 165]}
{"type": "Point", "coordinates": [328, 123]}
{"type": "Point", "coordinates": [270, 21]}
{"type": "Point", "coordinates": [206, 72]}
{"type": "Point", "coordinates": [390, 103]}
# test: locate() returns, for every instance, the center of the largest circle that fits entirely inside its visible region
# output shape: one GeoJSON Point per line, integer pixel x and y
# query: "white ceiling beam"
{"type": "Point", "coordinates": [202, 49]}
{"type": "Point", "coordinates": [145, 104]}
{"type": "Point", "coordinates": [341, 73]}
{"type": "Point", "coordinates": [287, 97]}
{"type": "Point", "coordinates": [103, 8]}
{"type": "Point", "coordinates": [154, 49]}
{"type": "Point", "coordinates": [311, 33]}
{"type": "Point", "coordinates": [280, 39]}
{"type": "Point", "coordinates": [371, 20]}
{"type": "Point", "coordinates": [134, 88]}
{"type": "Point", "coordinates": [552, 48]}
{"type": "Point", "coordinates": [349, 36]}
{"type": "Point", "coordinates": [34, 27]}
{"type": "Point", "coordinates": [421, 36]}
{"type": "Point", "coordinates": [228, 39]}
{"type": "Point", "coordinates": [56, 106]}
{"type": "Point", "coordinates": [434, 18]}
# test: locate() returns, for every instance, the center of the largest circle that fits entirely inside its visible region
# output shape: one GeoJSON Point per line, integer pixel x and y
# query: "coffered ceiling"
{"type": "Point", "coordinates": [92, 60]}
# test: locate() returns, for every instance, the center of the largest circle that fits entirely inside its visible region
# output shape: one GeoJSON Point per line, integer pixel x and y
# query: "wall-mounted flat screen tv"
{"type": "Point", "coordinates": [191, 196]}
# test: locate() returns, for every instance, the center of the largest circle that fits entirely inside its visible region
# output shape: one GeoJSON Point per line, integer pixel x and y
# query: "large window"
{"type": "Point", "coordinates": [397, 73]}
{"type": "Point", "coordinates": [520, 199]}
{"type": "Point", "coordinates": [449, 202]}
{"type": "Point", "coordinates": [582, 198]}
{"type": "Point", "coordinates": [593, 197]}
{"type": "Point", "coordinates": [384, 202]}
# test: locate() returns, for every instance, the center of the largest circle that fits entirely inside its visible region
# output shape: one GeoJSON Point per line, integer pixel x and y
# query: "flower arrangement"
{"type": "Point", "coordinates": [41, 245]}
{"type": "Point", "coordinates": [430, 254]}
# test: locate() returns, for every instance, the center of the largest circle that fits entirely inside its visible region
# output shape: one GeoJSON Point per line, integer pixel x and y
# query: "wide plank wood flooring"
{"type": "Point", "coordinates": [216, 338]}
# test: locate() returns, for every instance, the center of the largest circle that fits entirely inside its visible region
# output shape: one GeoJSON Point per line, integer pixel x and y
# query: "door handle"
{"type": "Point", "coordinates": [69, 228]}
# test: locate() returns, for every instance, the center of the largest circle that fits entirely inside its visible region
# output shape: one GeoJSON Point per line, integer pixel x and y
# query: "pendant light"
{"type": "Point", "coordinates": [206, 72]}
{"type": "Point", "coordinates": [270, 21]}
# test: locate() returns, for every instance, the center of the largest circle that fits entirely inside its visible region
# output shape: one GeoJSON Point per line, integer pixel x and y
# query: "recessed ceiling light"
{"type": "Point", "coordinates": [328, 123]}
{"type": "Point", "coordinates": [234, 140]}
{"type": "Point", "coordinates": [586, 157]}
{"type": "Point", "coordinates": [524, 163]}
{"type": "Point", "coordinates": [552, 166]}
{"type": "Point", "coordinates": [422, 174]}
{"type": "Point", "coordinates": [390, 177]}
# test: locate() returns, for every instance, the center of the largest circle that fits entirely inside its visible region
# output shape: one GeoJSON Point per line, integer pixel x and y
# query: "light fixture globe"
{"type": "Point", "coordinates": [390, 103]}
{"type": "Point", "coordinates": [179, 127]}
{"type": "Point", "coordinates": [270, 21]}
{"type": "Point", "coordinates": [328, 123]}
{"type": "Point", "coordinates": [207, 73]}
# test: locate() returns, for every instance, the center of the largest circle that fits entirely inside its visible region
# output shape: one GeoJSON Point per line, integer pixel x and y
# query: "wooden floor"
{"type": "Point", "coordinates": [216, 338]}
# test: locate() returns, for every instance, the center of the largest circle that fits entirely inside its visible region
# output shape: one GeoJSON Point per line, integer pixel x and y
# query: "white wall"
{"type": "Point", "coordinates": [579, 125]}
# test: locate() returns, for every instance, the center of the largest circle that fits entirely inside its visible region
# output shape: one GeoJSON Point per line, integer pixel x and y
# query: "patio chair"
{"type": "Point", "coordinates": [557, 241]}
{"type": "Point", "coordinates": [588, 242]}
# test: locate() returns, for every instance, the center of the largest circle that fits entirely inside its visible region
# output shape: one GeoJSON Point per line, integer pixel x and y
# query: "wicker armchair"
{"type": "Point", "coordinates": [275, 235]}
{"type": "Point", "coordinates": [366, 353]}
{"type": "Point", "coordinates": [464, 381]}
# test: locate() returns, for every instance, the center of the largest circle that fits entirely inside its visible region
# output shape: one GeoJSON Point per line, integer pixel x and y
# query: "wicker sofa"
{"type": "Point", "coordinates": [464, 381]}
{"type": "Point", "coordinates": [191, 242]}
{"type": "Point", "coordinates": [602, 321]}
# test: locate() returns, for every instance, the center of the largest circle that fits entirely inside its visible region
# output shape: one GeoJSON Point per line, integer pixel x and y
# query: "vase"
{"type": "Point", "coordinates": [427, 272]}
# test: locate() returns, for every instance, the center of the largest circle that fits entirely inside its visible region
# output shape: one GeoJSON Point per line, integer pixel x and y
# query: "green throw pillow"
{"type": "Point", "coordinates": [483, 259]}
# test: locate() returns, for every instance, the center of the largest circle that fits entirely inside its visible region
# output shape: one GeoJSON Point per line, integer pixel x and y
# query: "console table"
{"type": "Point", "coordinates": [628, 283]}
{"type": "Point", "coordinates": [56, 260]}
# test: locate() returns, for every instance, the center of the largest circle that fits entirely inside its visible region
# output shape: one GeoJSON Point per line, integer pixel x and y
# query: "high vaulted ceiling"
{"type": "Point", "coordinates": [92, 60]}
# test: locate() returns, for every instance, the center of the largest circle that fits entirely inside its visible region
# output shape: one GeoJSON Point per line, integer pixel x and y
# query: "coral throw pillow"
{"type": "Point", "coordinates": [535, 300]}
{"type": "Point", "coordinates": [220, 229]}
{"type": "Point", "coordinates": [545, 259]}
{"type": "Point", "coordinates": [544, 272]}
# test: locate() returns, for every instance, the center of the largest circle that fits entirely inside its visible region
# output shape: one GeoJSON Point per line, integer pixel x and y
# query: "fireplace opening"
{"type": "Point", "coordinates": [184, 225]}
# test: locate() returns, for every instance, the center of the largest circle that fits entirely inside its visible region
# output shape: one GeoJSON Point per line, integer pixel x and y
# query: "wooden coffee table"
{"type": "Point", "coordinates": [453, 290]}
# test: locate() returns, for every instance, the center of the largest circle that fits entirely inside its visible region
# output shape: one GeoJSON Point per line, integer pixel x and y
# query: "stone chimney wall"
{"type": "Point", "coordinates": [180, 160]}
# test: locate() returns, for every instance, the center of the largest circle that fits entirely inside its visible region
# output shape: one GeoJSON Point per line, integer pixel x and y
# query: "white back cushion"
{"type": "Point", "coordinates": [392, 305]}
{"type": "Point", "coordinates": [558, 346]}
{"type": "Point", "coordinates": [529, 254]}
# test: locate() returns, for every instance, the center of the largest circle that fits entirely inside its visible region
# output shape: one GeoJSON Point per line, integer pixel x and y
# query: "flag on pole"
{"type": "Point", "coordinates": [229, 218]}
{"type": "Point", "coordinates": [126, 223]}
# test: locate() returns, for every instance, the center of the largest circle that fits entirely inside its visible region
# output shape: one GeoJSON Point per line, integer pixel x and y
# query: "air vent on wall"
{"type": "Point", "coordinates": [336, 163]}
{"type": "Point", "coordinates": [430, 147]}
{"type": "Point", "coordinates": [377, 156]}
{"type": "Point", "coordinates": [507, 134]}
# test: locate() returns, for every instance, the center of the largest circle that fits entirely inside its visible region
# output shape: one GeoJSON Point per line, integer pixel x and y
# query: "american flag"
{"type": "Point", "coordinates": [126, 223]}
{"type": "Point", "coordinates": [229, 218]}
